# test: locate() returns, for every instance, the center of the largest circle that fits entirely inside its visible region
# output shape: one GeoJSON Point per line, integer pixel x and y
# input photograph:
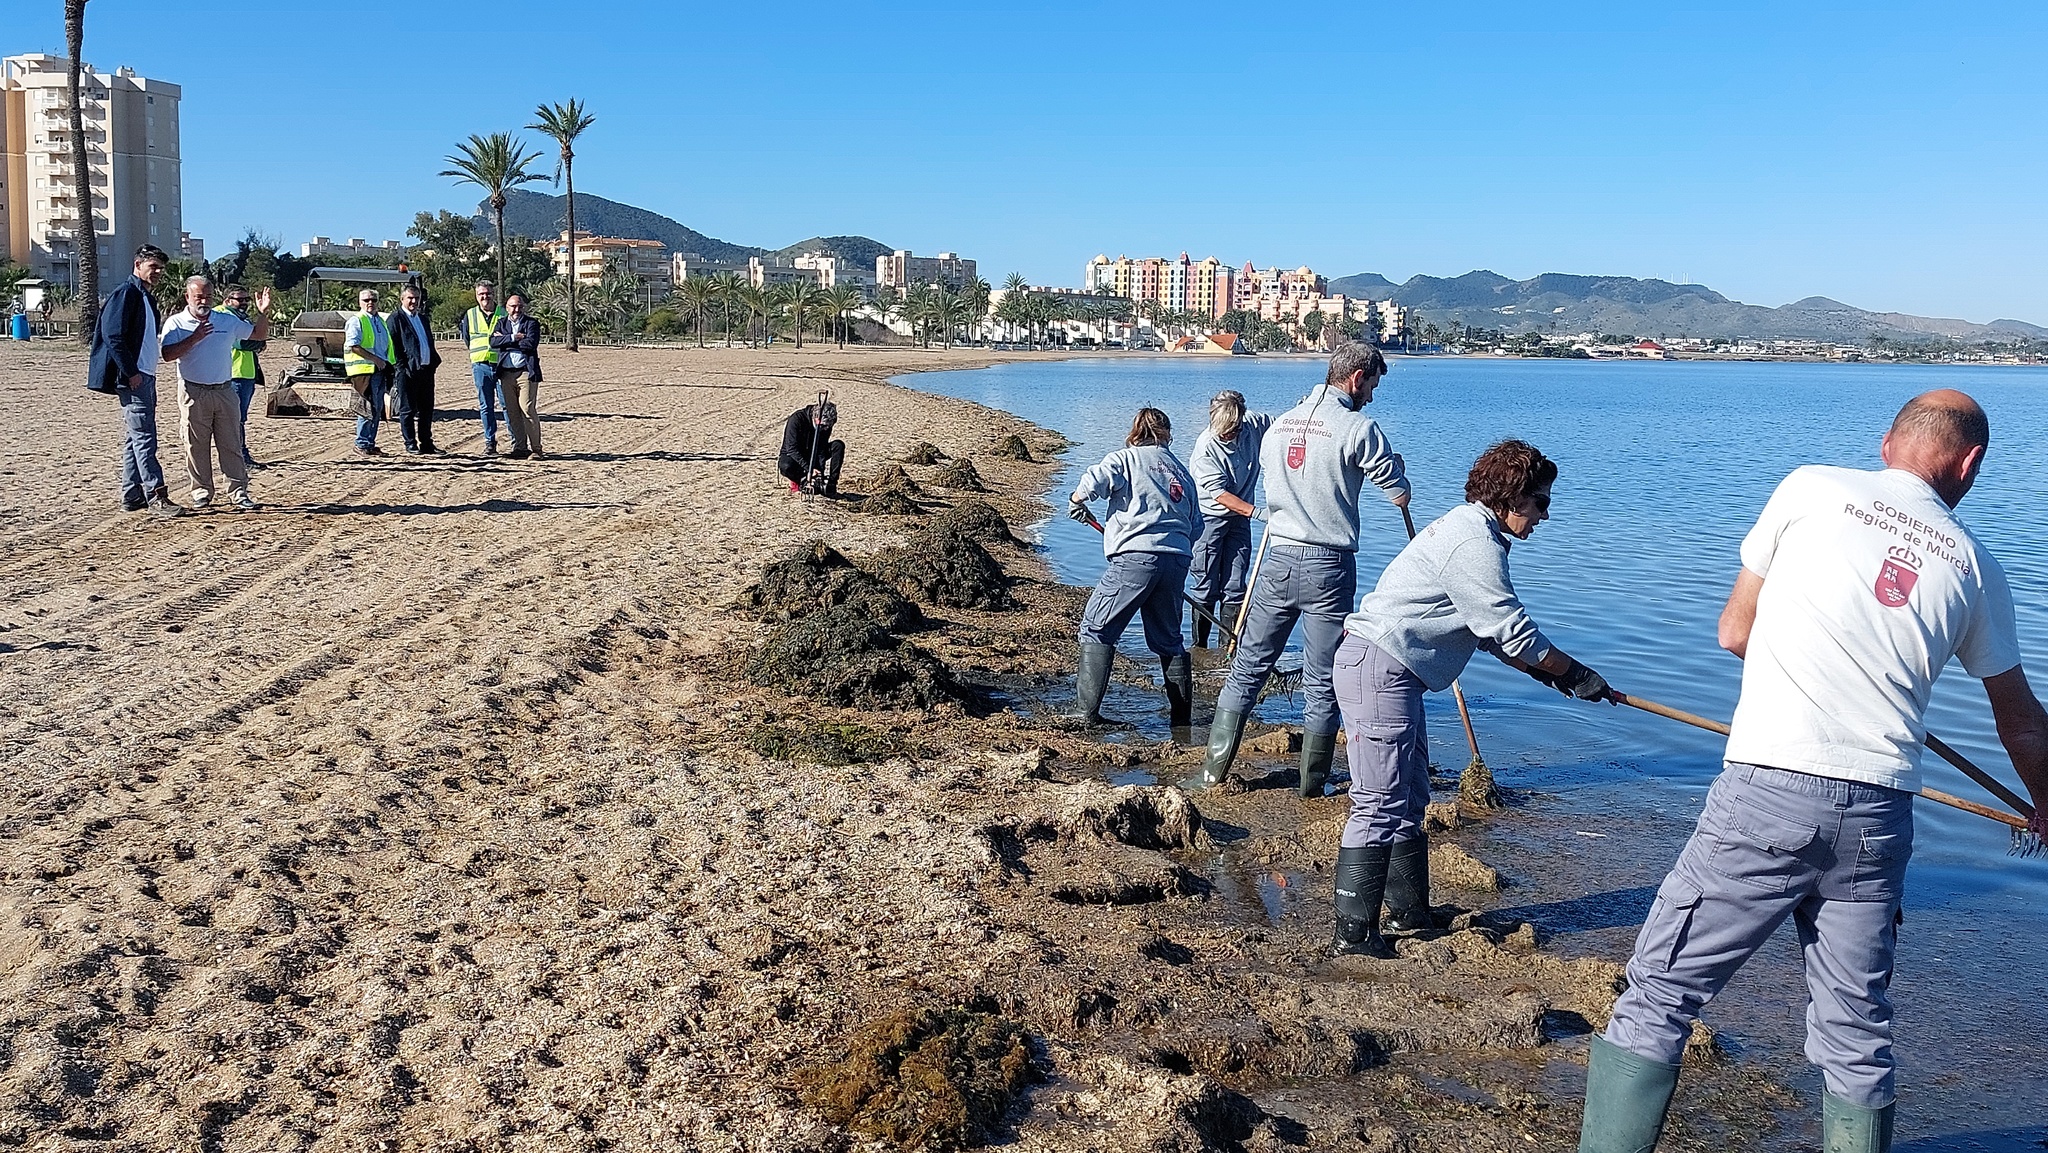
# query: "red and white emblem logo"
{"type": "Point", "coordinates": [1896, 579]}
{"type": "Point", "coordinates": [1174, 491]}
{"type": "Point", "coordinates": [1297, 451]}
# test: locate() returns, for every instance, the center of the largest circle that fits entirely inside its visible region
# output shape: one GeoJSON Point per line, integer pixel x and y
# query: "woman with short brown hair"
{"type": "Point", "coordinates": [1446, 596]}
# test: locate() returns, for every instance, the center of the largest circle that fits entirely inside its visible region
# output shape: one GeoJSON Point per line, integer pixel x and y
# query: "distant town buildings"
{"type": "Point", "coordinates": [899, 271]}
{"type": "Point", "coordinates": [646, 261]}
{"type": "Point", "coordinates": [133, 177]}
{"type": "Point", "coordinates": [353, 246]}
{"type": "Point", "coordinates": [833, 271]}
{"type": "Point", "coordinates": [1206, 286]}
{"type": "Point", "coordinates": [821, 268]}
{"type": "Point", "coordinates": [191, 248]}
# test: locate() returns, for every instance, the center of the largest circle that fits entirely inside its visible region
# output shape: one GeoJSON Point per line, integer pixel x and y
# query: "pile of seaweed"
{"type": "Point", "coordinates": [977, 520]}
{"type": "Point", "coordinates": [1012, 447]}
{"type": "Point", "coordinates": [823, 742]}
{"type": "Point", "coordinates": [942, 565]}
{"type": "Point", "coordinates": [932, 1079]}
{"type": "Point", "coordinates": [839, 656]}
{"type": "Point", "coordinates": [960, 476]}
{"type": "Point", "coordinates": [923, 452]}
{"type": "Point", "coordinates": [892, 491]}
{"type": "Point", "coordinates": [819, 577]}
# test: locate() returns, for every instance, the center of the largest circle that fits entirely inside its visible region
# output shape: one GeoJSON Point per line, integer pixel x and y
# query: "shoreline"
{"type": "Point", "coordinates": [429, 806]}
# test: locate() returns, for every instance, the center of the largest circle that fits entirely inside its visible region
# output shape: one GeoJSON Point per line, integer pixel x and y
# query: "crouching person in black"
{"type": "Point", "coordinates": [811, 459]}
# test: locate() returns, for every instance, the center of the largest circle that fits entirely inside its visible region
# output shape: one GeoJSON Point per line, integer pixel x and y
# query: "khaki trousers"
{"type": "Point", "coordinates": [532, 414]}
{"type": "Point", "coordinates": [515, 418]}
{"type": "Point", "coordinates": [212, 421]}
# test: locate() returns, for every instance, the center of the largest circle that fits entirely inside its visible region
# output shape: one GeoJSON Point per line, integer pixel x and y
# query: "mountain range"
{"type": "Point", "coordinates": [1624, 304]}
{"type": "Point", "coordinates": [538, 215]}
{"type": "Point", "coordinates": [1553, 301]}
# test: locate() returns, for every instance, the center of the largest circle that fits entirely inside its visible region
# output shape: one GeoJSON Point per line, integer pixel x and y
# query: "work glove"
{"type": "Point", "coordinates": [1583, 683]}
{"type": "Point", "coordinates": [1537, 674]}
{"type": "Point", "coordinates": [1079, 511]}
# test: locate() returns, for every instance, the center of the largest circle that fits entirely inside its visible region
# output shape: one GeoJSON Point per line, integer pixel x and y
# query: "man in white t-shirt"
{"type": "Point", "coordinates": [202, 342]}
{"type": "Point", "coordinates": [1856, 589]}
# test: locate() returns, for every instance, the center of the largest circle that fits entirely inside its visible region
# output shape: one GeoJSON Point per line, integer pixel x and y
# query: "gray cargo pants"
{"type": "Point", "coordinates": [1222, 554]}
{"type": "Point", "coordinates": [1144, 584]}
{"type": "Point", "coordinates": [1830, 854]}
{"type": "Point", "coordinates": [1385, 742]}
{"type": "Point", "coordinates": [1310, 583]}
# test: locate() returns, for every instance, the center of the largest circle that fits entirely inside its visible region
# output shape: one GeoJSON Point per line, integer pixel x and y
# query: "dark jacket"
{"type": "Point", "coordinates": [409, 359]}
{"type": "Point", "coordinates": [523, 337]}
{"type": "Point", "coordinates": [116, 346]}
{"type": "Point", "coordinates": [803, 445]}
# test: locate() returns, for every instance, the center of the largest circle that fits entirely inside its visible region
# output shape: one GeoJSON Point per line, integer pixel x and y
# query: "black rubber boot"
{"type": "Point", "coordinates": [1316, 754]}
{"type": "Point", "coordinates": [1626, 1097]}
{"type": "Point", "coordinates": [1224, 732]}
{"type": "Point", "coordinates": [1846, 1128]}
{"type": "Point", "coordinates": [1361, 877]}
{"type": "Point", "coordinates": [1180, 689]}
{"type": "Point", "coordinates": [1408, 886]}
{"type": "Point", "coordinates": [1228, 617]}
{"type": "Point", "coordinates": [1202, 626]}
{"type": "Point", "coordinates": [1091, 682]}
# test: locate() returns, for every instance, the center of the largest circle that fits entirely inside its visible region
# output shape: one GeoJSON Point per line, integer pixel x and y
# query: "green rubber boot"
{"type": "Point", "coordinates": [1846, 1128]}
{"type": "Point", "coordinates": [1224, 732]}
{"type": "Point", "coordinates": [1626, 1097]}
{"type": "Point", "coordinates": [1316, 755]}
{"type": "Point", "coordinates": [1361, 877]}
{"type": "Point", "coordinates": [1180, 689]}
{"type": "Point", "coordinates": [1091, 682]}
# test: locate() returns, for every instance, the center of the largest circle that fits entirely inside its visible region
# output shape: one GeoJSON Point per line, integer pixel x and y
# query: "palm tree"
{"type": "Point", "coordinates": [87, 245]}
{"type": "Point", "coordinates": [974, 294]}
{"type": "Point", "coordinates": [801, 296]}
{"type": "Point", "coordinates": [884, 303]}
{"type": "Point", "coordinates": [695, 294]}
{"type": "Point", "coordinates": [948, 311]}
{"type": "Point", "coordinates": [495, 163]}
{"type": "Point", "coordinates": [755, 301]}
{"type": "Point", "coordinates": [839, 301]}
{"type": "Point", "coordinates": [1015, 282]}
{"type": "Point", "coordinates": [564, 123]}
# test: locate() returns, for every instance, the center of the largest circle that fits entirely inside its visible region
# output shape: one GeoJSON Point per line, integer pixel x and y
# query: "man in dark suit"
{"type": "Point", "coordinates": [126, 349]}
{"type": "Point", "coordinates": [417, 358]}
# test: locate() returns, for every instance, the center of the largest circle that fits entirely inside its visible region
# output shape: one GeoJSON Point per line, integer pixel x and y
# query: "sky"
{"type": "Point", "coordinates": [1888, 155]}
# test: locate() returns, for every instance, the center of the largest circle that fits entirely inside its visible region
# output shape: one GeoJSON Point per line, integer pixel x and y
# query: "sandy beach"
{"type": "Point", "coordinates": [432, 807]}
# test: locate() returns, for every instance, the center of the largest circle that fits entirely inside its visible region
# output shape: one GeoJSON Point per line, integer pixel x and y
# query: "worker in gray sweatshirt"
{"type": "Point", "coordinates": [1313, 462]}
{"type": "Point", "coordinates": [1226, 468]}
{"type": "Point", "coordinates": [1446, 596]}
{"type": "Point", "coordinates": [1148, 535]}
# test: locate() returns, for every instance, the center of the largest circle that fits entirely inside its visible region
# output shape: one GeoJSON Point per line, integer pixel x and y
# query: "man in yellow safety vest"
{"type": "Point", "coordinates": [247, 373]}
{"type": "Point", "coordinates": [475, 330]}
{"type": "Point", "coordinates": [366, 355]}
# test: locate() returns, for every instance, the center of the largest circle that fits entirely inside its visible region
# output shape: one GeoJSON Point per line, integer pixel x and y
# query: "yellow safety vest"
{"type": "Point", "coordinates": [480, 329]}
{"type": "Point", "coordinates": [242, 362]}
{"type": "Point", "coordinates": [375, 337]}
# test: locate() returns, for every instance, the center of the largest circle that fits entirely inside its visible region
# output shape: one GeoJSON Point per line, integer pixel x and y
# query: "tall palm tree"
{"type": "Point", "coordinates": [563, 123]}
{"type": "Point", "coordinates": [974, 294]}
{"type": "Point", "coordinates": [801, 296]}
{"type": "Point", "coordinates": [1015, 282]}
{"type": "Point", "coordinates": [695, 294]}
{"type": "Point", "coordinates": [495, 163]}
{"type": "Point", "coordinates": [755, 301]}
{"type": "Point", "coordinates": [86, 243]}
{"type": "Point", "coordinates": [839, 301]}
{"type": "Point", "coordinates": [726, 291]}
{"type": "Point", "coordinates": [949, 312]}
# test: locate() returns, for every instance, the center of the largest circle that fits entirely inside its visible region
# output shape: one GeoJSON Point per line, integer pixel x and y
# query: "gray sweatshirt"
{"type": "Point", "coordinates": [1230, 466]}
{"type": "Point", "coordinates": [1446, 596]}
{"type": "Point", "coordinates": [1151, 501]}
{"type": "Point", "coordinates": [1314, 460]}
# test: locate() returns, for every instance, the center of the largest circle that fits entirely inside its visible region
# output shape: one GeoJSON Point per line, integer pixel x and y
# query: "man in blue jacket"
{"type": "Point", "coordinates": [125, 351]}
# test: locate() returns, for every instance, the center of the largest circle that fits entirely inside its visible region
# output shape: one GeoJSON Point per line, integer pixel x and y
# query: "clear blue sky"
{"type": "Point", "coordinates": [1889, 155]}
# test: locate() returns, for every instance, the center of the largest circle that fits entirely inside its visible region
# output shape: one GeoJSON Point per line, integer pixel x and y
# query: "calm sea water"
{"type": "Point", "coordinates": [1664, 466]}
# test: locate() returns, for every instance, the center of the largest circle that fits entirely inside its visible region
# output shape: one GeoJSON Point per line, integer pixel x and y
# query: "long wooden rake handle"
{"type": "Point", "coordinates": [1933, 742]}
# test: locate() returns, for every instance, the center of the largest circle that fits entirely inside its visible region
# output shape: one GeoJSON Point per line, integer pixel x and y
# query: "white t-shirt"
{"type": "Point", "coordinates": [212, 360]}
{"type": "Point", "coordinates": [1871, 584]}
{"type": "Point", "coordinates": [150, 358]}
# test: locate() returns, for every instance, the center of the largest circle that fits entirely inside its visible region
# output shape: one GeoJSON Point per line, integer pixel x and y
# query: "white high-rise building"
{"type": "Point", "coordinates": [132, 154]}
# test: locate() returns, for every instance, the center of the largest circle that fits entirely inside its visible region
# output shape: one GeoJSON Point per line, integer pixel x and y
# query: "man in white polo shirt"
{"type": "Point", "coordinates": [202, 342]}
{"type": "Point", "coordinates": [1856, 589]}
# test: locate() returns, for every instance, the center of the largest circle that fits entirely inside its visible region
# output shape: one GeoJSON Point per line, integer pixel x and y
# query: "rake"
{"type": "Point", "coordinates": [2024, 842]}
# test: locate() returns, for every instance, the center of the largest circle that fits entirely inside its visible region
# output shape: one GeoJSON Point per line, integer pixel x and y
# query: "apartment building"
{"type": "Point", "coordinates": [647, 261]}
{"type": "Point", "coordinates": [133, 178]}
{"type": "Point", "coordinates": [1182, 285]}
{"type": "Point", "coordinates": [352, 246]}
{"type": "Point", "coordinates": [833, 271]}
{"type": "Point", "coordinates": [899, 271]}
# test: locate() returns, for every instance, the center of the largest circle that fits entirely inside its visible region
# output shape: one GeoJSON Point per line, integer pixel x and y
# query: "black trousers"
{"type": "Point", "coordinates": [416, 409]}
{"type": "Point", "coordinates": [831, 461]}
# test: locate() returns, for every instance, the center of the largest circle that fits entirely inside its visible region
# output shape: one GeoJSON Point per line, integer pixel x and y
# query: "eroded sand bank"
{"type": "Point", "coordinates": [429, 808]}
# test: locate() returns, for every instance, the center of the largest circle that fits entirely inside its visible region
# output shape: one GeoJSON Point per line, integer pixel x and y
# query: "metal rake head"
{"type": "Point", "coordinates": [2026, 844]}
